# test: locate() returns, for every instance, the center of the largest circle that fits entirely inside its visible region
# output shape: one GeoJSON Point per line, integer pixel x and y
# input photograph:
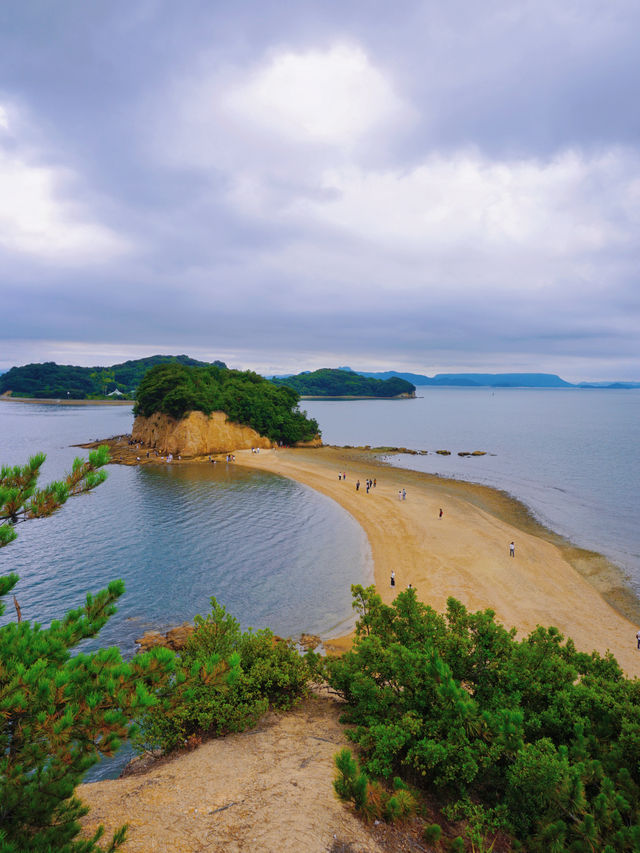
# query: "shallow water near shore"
{"type": "Point", "coordinates": [272, 551]}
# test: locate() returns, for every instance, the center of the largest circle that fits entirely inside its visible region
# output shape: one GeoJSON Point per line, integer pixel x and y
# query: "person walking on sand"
{"type": "Point", "coordinates": [393, 583]}
{"type": "Point", "coordinates": [637, 635]}
{"type": "Point", "coordinates": [440, 514]}
{"type": "Point", "coordinates": [404, 494]}
{"type": "Point", "coordinates": [358, 486]}
{"type": "Point", "coordinates": [512, 549]}
{"type": "Point", "coordinates": [399, 494]}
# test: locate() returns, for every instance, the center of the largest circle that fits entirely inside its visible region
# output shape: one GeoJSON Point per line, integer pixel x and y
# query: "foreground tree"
{"type": "Point", "coordinates": [528, 735]}
{"type": "Point", "coordinates": [58, 713]}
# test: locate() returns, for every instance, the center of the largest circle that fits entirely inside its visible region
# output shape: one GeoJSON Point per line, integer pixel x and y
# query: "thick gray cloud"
{"type": "Point", "coordinates": [423, 186]}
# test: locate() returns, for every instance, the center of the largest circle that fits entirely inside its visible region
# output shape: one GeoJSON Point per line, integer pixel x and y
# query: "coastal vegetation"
{"type": "Point", "coordinates": [328, 382]}
{"type": "Point", "coordinates": [525, 736]}
{"type": "Point", "coordinates": [60, 712]}
{"type": "Point", "coordinates": [245, 397]}
{"type": "Point", "coordinates": [60, 381]}
{"type": "Point", "coordinates": [62, 709]}
{"type": "Point", "coordinates": [225, 680]}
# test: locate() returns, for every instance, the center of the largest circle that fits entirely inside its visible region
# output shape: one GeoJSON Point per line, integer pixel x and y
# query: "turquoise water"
{"type": "Point", "coordinates": [273, 551]}
{"type": "Point", "coordinates": [573, 456]}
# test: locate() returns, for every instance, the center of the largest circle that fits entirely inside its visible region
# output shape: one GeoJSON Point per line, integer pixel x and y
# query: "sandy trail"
{"type": "Point", "coordinates": [264, 790]}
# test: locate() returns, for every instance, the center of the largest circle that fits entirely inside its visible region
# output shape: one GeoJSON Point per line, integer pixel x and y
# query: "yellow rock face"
{"type": "Point", "coordinates": [196, 435]}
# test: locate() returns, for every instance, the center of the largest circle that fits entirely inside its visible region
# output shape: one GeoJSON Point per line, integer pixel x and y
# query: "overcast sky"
{"type": "Point", "coordinates": [431, 186]}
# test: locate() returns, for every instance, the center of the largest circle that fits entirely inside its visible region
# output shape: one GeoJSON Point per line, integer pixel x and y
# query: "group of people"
{"type": "Point", "coordinates": [370, 484]}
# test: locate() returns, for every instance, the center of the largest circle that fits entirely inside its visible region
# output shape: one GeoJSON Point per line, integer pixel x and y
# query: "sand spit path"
{"type": "Point", "coordinates": [465, 554]}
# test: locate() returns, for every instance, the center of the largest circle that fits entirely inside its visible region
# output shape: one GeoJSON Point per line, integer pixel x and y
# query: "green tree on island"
{"type": "Point", "coordinates": [59, 713]}
{"type": "Point", "coordinates": [245, 397]}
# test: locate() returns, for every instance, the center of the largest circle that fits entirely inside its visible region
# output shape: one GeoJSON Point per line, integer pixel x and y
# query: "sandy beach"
{"type": "Point", "coordinates": [465, 554]}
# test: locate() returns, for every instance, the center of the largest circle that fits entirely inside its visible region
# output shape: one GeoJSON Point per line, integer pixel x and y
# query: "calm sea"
{"type": "Point", "coordinates": [274, 552]}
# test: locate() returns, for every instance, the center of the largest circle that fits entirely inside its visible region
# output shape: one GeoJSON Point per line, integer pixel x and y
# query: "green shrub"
{"type": "Point", "coordinates": [432, 833]}
{"type": "Point", "coordinates": [526, 735]}
{"type": "Point", "coordinates": [350, 783]}
{"type": "Point", "coordinates": [370, 798]}
{"type": "Point", "coordinates": [225, 681]}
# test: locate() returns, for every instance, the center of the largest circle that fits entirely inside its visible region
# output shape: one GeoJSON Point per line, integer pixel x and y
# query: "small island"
{"type": "Point", "coordinates": [192, 411]}
{"type": "Point", "coordinates": [334, 383]}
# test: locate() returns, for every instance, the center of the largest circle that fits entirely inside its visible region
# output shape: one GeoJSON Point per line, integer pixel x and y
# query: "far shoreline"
{"type": "Point", "coordinates": [553, 581]}
{"type": "Point", "coordinates": [50, 401]}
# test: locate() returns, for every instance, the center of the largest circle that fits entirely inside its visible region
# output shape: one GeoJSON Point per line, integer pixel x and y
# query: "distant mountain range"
{"type": "Point", "coordinates": [492, 380]}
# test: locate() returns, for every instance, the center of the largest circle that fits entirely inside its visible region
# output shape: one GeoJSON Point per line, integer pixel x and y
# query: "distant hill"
{"type": "Point", "coordinates": [330, 382]}
{"type": "Point", "coordinates": [60, 381]}
{"type": "Point", "coordinates": [504, 380]}
{"type": "Point", "coordinates": [470, 380]}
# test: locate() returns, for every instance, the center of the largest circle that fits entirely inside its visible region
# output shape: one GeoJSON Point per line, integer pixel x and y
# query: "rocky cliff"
{"type": "Point", "coordinates": [195, 435]}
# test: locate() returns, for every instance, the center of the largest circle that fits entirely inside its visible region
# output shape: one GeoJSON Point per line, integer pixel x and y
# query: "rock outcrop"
{"type": "Point", "coordinates": [175, 638]}
{"type": "Point", "coordinates": [195, 435]}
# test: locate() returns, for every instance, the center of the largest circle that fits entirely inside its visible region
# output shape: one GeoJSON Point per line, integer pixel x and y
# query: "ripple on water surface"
{"type": "Point", "coordinates": [271, 550]}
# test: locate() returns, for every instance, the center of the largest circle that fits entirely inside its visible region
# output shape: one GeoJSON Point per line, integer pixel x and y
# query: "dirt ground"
{"type": "Point", "coordinates": [267, 790]}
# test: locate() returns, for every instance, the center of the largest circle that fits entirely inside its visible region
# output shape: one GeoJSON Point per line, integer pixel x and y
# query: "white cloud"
{"type": "Point", "coordinates": [332, 96]}
{"type": "Point", "coordinates": [569, 204]}
{"type": "Point", "coordinates": [37, 217]}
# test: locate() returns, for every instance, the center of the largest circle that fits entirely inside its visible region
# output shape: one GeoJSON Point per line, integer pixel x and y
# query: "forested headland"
{"type": "Point", "coordinates": [65, 381]}
{"type": "Point", "coordinates": [329, 382]}
{"type": "Point", "coordinates": [245, 397]}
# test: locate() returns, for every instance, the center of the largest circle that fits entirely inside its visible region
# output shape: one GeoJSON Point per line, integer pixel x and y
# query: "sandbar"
{"type": "Point", "coordinates": [465, 553]}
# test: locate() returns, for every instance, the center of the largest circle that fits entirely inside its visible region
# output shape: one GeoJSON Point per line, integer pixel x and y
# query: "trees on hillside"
{"type": "Point", "coordinates": [245, 397]}
{"type": "Point", "coordinates": [329, 382]}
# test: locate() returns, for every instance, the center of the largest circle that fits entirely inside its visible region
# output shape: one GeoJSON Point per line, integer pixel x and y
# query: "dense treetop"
{"type": "Point", "coordinates": [51, 380]}
{"type": "Point", "coordinates": [328, 382]}
{"type": "Point", "coordinates": [246, 398]}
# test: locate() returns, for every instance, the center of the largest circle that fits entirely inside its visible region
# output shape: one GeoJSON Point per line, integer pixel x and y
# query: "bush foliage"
{"type": "Point", "coordinates": [542, 739]}
{"type": "Point", "coordinates": [225, 680]}
{"type": "Point", "coordinates": [247, 398]}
